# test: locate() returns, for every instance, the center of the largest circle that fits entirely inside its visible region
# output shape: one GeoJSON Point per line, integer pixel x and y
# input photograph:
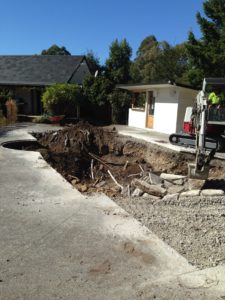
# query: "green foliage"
{"type": "Point", "coordinates": [62, 99]}
{"type": "Point", "coordinates": [93, 62]}
{"type": "Point", "coordinates": [42, 119]}
{"type": "Point", "coordinates": [56, 50]}
{"type": "Point", "coordinates": [118, 64]}
{"type": "Point", "coordinates": [172, 63]}
{"type": "Point", "coordinates": [5, 94]}
{"type": "Point", "coordinates": [119, 100]}
{"type": "Point", "coordinates": [97, 89]}
{"type": "Point", "coordinates": [139, 100]}
{"type": "Point", "coordinates": [144, 68]}
{"type": "Point", "coordinates": [207, 55]}
{"type": "Point", "coordinates": [158, 61]}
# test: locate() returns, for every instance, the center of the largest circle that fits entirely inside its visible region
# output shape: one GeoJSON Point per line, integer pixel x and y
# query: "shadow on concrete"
{"type": "Point", "coordinates": [5, 129]}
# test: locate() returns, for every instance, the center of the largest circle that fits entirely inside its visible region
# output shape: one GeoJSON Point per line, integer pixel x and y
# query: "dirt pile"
{"type": "Point", "coordinates": [96, 159]}
{"type": "Point", "coordinates": [140, 177]}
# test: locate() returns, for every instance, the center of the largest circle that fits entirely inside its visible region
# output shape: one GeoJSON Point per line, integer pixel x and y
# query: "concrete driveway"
{"type": "Point", "coordinates": [58, 244]}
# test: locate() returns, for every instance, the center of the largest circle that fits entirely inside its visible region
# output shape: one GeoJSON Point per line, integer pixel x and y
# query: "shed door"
{"type": "Point", "coordinates": [150, 110]}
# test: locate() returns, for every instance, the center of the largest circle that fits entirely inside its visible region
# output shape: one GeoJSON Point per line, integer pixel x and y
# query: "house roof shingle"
{"type": "Point", "coordinates": [38, 70]}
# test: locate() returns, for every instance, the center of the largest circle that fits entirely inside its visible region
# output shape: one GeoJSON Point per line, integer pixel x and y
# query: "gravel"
{"type": "Point", "coordinates": [193, 226]}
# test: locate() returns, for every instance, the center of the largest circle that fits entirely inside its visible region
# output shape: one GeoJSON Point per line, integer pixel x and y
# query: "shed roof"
{"type": "Point", "coordinates": [38, 70]}
{"type": "Point", "coordinates": [151, 85]}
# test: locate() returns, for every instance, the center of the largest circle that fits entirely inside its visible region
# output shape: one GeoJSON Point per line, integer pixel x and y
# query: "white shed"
{"type": "Point", "coordinates": [163, 108]}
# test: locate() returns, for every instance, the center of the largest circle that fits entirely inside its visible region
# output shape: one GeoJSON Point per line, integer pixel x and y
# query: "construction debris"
{"type": "Point", "coordinates": [103, 161]}
{"type": "Point", "coordinates": [150, 182]}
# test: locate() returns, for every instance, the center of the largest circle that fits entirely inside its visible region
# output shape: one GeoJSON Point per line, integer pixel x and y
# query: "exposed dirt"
{"type": "Point", "coordinates": [84, 154]}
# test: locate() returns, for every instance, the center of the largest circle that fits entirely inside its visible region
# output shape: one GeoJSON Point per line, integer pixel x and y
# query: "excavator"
{"type": "Point", "coordinates": [203, 128]}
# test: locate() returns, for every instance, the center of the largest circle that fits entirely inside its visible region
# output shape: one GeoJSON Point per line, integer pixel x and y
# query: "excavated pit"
{"type": "Point", "coordinates": [96, 159]}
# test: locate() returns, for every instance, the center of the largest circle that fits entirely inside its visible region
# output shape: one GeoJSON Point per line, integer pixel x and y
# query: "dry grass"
{"type": "Point", "coordinates": [11, 111]}
{"type": "Point", "coordinates": [3, 120]}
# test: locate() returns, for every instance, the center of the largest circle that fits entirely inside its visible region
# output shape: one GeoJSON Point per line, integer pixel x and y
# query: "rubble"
{"type": "Point", "coordinates": [191, 193]}
{"type": "Point", "coordinates": [149, 182]}
{"type": "Point", "coordinates": [210, 192]}
{"type": "Point", "coordinates": [172, 177]}
{"type": "Point", "coordinates": [195, 184]}
{"type": "Point", "coordinates": [102, 160]}
{"type": "Point", "coordinates": [155, 190]}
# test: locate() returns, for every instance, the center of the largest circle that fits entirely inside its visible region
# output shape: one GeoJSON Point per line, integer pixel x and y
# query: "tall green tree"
{"type": "Point", "coordinates": [144, 66]}
{"type": "Point", "coordinates": [56, 50]}
{"type": "Point", "coordinates": [93, 62]}
{"type": "Point", "coordinates": [207, 54]}
{"type": "Point", "coordinates": [117, 66]}
{"type": "Point", "coordinates": [159, 61]}
{"type": "Point", "coordinates": [97, 89]}
{"type": "Point", "coordinates": [172, 63]}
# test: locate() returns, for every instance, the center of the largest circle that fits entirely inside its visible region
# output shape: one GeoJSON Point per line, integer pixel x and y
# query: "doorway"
{"type": "Point", "coordinates": [150, 109]}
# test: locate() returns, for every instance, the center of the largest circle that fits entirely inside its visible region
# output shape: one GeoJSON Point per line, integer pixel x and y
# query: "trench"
{"type": "Point", "coordinates": [99, 160]}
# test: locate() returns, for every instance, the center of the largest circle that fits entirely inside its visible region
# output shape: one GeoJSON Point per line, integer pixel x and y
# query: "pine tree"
{"type": "Point", "coordinates": [118, 64]}
{"type": "Point", "coordinates": [207, 55]}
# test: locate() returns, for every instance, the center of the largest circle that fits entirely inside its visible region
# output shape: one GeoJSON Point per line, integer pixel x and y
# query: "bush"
{"type": "Point", "coordinates": [62, 99]}
{"type": "Point", "coordinates": [42, 119]}
{"type": "Point", "coordinates": [120, 102]}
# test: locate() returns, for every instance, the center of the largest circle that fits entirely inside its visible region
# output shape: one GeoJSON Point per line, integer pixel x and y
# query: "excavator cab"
{"type": "Point", "coordinates": [205, 130]}
{"type": "Point", "coordinates": [209, 123]}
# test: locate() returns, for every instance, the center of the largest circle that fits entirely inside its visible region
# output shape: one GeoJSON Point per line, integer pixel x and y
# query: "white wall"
{"type": "Point", "coordinates": [166, 106]}
{"type": "Point", "coordinates": [137, 118]}
{"type": "Point", "coordinates": [170, 106]}
{"type": "Point", "coordinates": [186, 98]}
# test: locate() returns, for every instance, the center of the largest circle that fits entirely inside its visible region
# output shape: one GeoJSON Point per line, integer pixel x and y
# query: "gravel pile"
{"type": "Point", "coordinates": [193, 226]}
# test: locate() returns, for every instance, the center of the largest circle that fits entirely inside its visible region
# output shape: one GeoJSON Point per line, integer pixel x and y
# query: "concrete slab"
{"type": "Point", "coordinates": [210, 192]}
{"type": "Point", "coordinates": [191, 193]}
{"type": "Point", "coordinates": [58, 244]}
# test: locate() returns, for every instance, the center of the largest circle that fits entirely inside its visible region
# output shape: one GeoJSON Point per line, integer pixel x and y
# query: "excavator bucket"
{"type": "Point", "coordinates": [194, 173]}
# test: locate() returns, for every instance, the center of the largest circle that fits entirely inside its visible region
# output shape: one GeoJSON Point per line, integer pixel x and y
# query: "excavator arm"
{"type": "Point", "coordinates": [205, 146]}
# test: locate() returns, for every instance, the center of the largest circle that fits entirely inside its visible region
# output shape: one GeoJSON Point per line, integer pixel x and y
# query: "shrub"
{"type": "Point", "coordinates": [62, 99]}
{"type": "Point", "coordinates": [120, 102]}
{"type": "Point", "coordinates": [42, 119]}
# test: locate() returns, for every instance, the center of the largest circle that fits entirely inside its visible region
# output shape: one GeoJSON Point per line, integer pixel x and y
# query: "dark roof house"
{"type": "Point", "coordinates": [28, 75]}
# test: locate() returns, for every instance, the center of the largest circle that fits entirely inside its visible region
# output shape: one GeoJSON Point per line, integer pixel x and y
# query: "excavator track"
{"type": "Point", "coordinates": [186, 140]}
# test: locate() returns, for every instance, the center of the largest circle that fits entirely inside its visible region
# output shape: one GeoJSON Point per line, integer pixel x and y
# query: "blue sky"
{"type": "Point", "coordinates": [29, 26]}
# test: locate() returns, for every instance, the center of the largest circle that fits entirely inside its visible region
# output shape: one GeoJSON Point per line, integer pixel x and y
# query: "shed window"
{"type": "Point", "coordinates": [139, 101]}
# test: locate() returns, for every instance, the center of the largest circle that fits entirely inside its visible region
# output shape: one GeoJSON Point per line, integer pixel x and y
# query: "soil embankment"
{"type": "Point", "coordinates": [132, 172]}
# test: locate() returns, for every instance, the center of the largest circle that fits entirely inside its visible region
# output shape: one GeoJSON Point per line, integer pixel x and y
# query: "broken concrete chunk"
{"type": "Point", "coordinates": [147, 196]}
{"type": "Point", "coordinates": [167, 184]}
{"type": "Point", "coordinates": [154, 179]}
{"type": "Point", "coordinates": [75, 181]}
{"type": "Point", "coordinates": [172, 177]}
{"type": "Point", "coordinates": [172, 197]}
{"type": "Point", "coordinates": [82, 188]}
{"type": "Point", "coordinates": [178, 181]}
{"type": "Point", "coordinates": [175, 189]}
{"type": "Point", "coordinates": [155, 190]}
{"type": "Point", "coordinates": [100, 184]}
{"type": "Point", "coordinates": [191, 193]}
{"type": "Point", "coordinates": [211, 192]}
{"type": "Point", "coordinates": [195, 184]}
{"type": "Point", "coordinates": [137, 193]}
